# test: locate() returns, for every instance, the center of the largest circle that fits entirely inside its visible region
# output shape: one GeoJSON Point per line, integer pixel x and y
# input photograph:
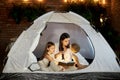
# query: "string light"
{"type": "Point", "coordinates": [65, 1]}
{"type": "Point", "coordinates": [81, 0]}
{"type": "Point", "coordinates": [103, 1]}
{"type": "Point", "coordinates": [101, 20]}
{"type": "Point", "coordinates": [96, 0]}
{"type": "Point", "coordinates": [40, 0]}
{"type": "Point", "coordinates": [25, 0]}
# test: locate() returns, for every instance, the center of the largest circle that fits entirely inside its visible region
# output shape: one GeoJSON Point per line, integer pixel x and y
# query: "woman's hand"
{"type": "Point", "coordinates": [58, 54]}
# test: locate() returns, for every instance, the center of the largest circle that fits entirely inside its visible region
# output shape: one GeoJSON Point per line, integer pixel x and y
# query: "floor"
{"type": "Point", "coordinates": [74, 76]}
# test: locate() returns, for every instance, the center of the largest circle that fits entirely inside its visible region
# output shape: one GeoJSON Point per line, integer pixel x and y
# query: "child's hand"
{"type": "Point", "coordinates": [56, 55]}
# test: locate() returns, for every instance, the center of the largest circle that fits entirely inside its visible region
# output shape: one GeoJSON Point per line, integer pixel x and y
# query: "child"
{"type": "Point", "coordinates": [79, 60]}
{"type": "Point", "coordinates": [47, 63]}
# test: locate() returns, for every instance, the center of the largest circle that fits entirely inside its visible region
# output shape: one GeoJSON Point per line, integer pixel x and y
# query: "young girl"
{"type": "Point", "coordinates": [49, 51]}
{"type": "Point", "coordinates": [48, 63]}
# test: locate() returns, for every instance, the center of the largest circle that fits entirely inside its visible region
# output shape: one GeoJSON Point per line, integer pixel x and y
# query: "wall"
{"type": "Point", "coordinates": [115, 12]}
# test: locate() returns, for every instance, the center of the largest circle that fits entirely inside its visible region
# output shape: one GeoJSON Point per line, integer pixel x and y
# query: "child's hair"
{"type": "Point", "coordinates": [48, 45]}
{"type": "Point", "coordinates": [75, 47]}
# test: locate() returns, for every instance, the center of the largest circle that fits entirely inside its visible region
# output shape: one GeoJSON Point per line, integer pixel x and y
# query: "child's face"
{"type": "Point", "coordinates": [51, 49]}
{"type": "Point", "coordinates": [73, 50]}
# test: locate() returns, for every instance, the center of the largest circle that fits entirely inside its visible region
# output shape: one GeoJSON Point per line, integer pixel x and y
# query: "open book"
{"type": "Point", "coordinates": [62, 63]}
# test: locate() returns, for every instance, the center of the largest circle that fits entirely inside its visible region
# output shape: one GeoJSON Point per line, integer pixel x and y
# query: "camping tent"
{"type": "Point", "coordinates": [45, 28]}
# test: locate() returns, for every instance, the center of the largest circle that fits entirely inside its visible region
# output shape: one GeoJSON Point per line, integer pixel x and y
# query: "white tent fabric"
{"type": "Point", "coordinates": [21, 56]}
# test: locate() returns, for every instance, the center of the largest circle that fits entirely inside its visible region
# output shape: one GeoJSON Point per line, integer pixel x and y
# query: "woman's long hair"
{"type": "Point", "coordinates": [62, 37]}
{"type": "Point", "coordinates": [48, 45]}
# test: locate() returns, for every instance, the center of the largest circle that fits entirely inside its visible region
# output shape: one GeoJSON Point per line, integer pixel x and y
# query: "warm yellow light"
{"type": "Point", "coordinates": [96, 0]}
{"type": "Point", "coordinates": [25, 0]}
{"type": "Point", "coordinates": [40, 0]}
{"type": "Point", "coordinates": [81, 0]}
{"type": "Point", "coordinates": [101, 20]}
{"type": "Point", "coordinates": [65, 1]}
{"type": "Point", "coordinates": [103, 1]}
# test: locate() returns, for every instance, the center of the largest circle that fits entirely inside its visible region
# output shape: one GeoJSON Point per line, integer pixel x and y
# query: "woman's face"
{"type": "Point", "coordinates": [51, 49]}
{"type": "Point", "coordinates": [66, 41]}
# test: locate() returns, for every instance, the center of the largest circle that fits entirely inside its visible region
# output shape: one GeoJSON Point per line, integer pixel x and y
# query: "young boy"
{"type": "Point", "coordinates": [79, 60]}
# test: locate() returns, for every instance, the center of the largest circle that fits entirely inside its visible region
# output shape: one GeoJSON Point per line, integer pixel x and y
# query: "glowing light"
{"type": "Point", "coordinates": [101, 20]}
{"type": "Point", "coordinates": [96, 0]}
{"type": "Point", "coordinates": [65, 1]}
{"type": "Point", "coordinates": [40, 0]}
{"type": "Point", "coordinates": [81, 0]}
{"type": "Point", "coordinates": [25, 0]}
{"type": "Point", "coordinates": [103, 1]}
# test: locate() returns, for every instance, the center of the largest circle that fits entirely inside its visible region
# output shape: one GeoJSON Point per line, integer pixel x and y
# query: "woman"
{"type": "Point", "coordinates": [64, 45]}
{"type": "Point", "coordinates": [64, 55]}
{"type": "Point", "coordinates": [64, 42]}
